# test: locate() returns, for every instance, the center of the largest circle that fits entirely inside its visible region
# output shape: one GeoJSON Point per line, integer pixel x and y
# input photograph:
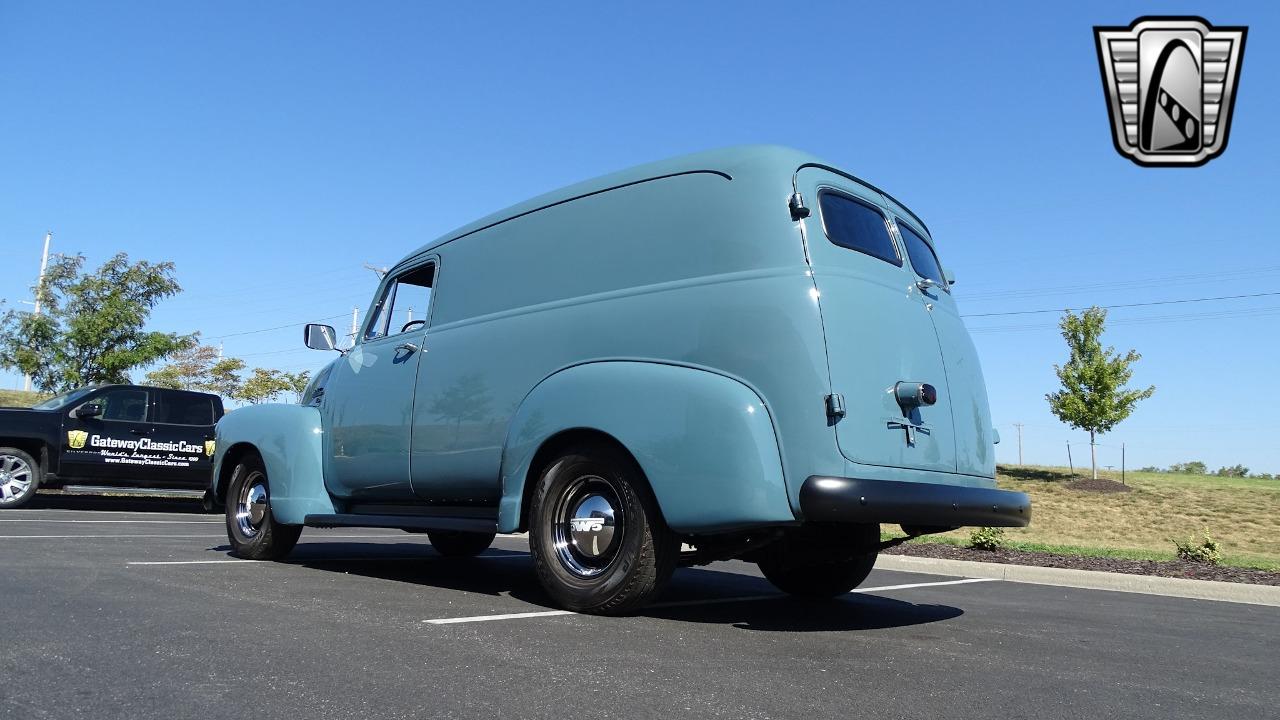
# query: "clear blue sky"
{"type": "Point", "coordinates": [270, 149]}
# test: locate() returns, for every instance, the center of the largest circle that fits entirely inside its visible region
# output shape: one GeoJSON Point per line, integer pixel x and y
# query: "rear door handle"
{"type": "Point", "coordinates": [141, 431]}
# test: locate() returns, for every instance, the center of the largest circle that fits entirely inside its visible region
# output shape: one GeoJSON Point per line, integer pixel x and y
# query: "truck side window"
{"type": "Point", "coordinates": [179, 408]}
{"type": "Point", "coordinates": [923, 259]}
{"type": "Point", "coordinates": [404, 304]}
{"type": "Point", "coordinates": [857, 226]}
{"type": "Point", "coordinates": [125, 405]}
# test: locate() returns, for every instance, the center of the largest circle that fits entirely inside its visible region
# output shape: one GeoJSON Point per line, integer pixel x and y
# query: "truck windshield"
{"type": "Point", "coordinates": [64, 399]}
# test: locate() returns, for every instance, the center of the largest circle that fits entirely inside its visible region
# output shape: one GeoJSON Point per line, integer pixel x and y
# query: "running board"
{"type": "Point", "coordinates": [412, 523]}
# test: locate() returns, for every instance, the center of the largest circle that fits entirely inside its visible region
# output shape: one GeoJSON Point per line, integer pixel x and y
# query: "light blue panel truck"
{"type": "Point", "coordinates": [745, 351]}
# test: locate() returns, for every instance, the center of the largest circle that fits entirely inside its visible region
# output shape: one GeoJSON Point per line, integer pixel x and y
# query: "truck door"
{"type": "Point", "coordinates": [183, 428]}
{"type": "Point", "coordinates": [368, 401]}
{"type": "Point", "coordinates": [106, 447]}
{"type": "Point", "coordinates": [878, 330]}
{"type": "Point", "coordinates": [966, 389]}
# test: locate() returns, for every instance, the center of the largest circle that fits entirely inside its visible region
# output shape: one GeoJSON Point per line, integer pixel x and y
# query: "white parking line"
{"type": "Point", "coordinates": [196, 562]}
{"type": "Point", "coordinates": [688, 603]}
{"type": "Point", "coordinates": [122, 522]}
{"type": "Point", "coordinates": [204, 535]}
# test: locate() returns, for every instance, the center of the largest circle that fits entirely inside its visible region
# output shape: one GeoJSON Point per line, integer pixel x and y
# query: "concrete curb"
{"type": "Point", "coordinates": [1088, 579]}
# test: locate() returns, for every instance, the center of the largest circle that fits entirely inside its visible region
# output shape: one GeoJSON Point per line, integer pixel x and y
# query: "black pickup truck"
{"type": "Point", "coordinates": [111, 435]}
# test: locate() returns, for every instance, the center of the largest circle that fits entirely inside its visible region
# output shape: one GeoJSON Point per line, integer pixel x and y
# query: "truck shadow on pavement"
{"type": "Point", "coordinates": [696, 595]}
{"type": "Point", "coordinates": [114, 503]}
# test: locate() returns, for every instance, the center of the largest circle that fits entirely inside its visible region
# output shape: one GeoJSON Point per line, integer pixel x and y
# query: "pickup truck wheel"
{"type": "Point", "coordinates": [19, 477]}
{"type": "Point", "coordinates": [597, 540]}
{"type": "Point", "coordinates": [253, 531]}
{"type": "Point", "coordinates": [460, 544]}
{"type": "Point", "coordinates": [821, 562]}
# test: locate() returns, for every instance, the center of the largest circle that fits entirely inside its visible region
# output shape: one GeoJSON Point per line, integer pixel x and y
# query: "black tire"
{"type": "Point", "coordinates": [639, 551]}
{"type": "Point", "coordinates": [460, 544]}
{"type": "Point", "coordinates": [257, 536]}
{"type": "Point", "coordinates": [20, 476]}
{"type": "Point", "coordinates": [821, 562]}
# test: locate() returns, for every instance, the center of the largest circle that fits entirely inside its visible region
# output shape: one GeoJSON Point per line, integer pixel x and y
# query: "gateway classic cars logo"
{"type": "Point", "coordinates": [76, 438]}
{"type": "Point", "coordinates": [1170, 84]}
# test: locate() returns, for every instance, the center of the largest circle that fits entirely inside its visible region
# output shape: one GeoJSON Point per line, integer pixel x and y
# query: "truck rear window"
{"type": "Point", "coordinates": [857, 226]}
{"type": "Point", "coordinates": [923, 259]}
{"type": "Point", "coordinates": [183, 409]}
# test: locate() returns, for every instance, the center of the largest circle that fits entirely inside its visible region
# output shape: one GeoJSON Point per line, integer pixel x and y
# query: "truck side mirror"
{"type": "Point", "coordinates": [89, 410]}
{"type": "Point", "coordinates": [949, 276]}
{"type": "Point", "coordinates": [320, 337]}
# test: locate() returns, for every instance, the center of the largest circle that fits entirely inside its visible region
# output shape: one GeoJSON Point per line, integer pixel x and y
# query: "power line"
{"type": "Point", "coordinates": [1131, 283]}
{"type": "Point", "coordinates": [277, 327]}
{"type": "Point", "coordinates": [1127, 305]}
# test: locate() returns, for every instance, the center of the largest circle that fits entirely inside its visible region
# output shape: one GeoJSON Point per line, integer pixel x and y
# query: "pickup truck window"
{"type": "Point", "coordinates": [857, 226]}
{"type": "Point", "coordinates": [923, 259]}
{"type": "Point", "coordinates": [179, 408]}
{"type": "Point", "coordinates": [124, 404]}
{"type": "Point", "coordinates": [404, 303]}
{"type": "Point", "coordinates": [63, 399]}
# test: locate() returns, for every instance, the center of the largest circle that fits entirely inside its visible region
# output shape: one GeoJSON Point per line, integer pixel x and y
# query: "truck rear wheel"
{"type": "Point", "coordinates": [460, 544]}
{"type": "Point", "coordinates": [597, 540]}
{"type": "Point", "coordinates": [821, 562]}
{"type": "Point", "coordinates": [252, 529]}
{"type": "Point", "coordinates": [19, 477]}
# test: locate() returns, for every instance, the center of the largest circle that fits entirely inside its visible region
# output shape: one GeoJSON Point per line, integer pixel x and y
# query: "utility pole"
{"type": "Point", "coordinates": [355, 323]}
{"type": "Point", "coordinates": [44, 264]}
{"type": "Point", "coordinates": [379, 271]}
{"type": "Point", "coordinates": [1019, 426]}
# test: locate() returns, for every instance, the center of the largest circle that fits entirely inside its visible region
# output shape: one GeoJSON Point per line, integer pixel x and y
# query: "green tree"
{"type": "Point", "coordinates": [297, 383]}
{"type": "Point", "coordinates": [1233, 471]}
{"type": "Point", "coordinates": [263, 385]}
{"type": "Point", "coordinates": [90, 328]}
{"type": "Point", "coordinates": [1093, 395]}
{"type": "Point", "coordinates": [1191, 467]}
{"type": "Point", "coordinates": [187, 369]}
{"type": "Point", "coordinates": [199, 368]}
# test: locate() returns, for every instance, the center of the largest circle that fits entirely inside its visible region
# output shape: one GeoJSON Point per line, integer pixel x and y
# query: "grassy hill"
{"type": "Point", "coordinates": [19, 398]}
{"type": "Point", "coordinates": [1242, 514]}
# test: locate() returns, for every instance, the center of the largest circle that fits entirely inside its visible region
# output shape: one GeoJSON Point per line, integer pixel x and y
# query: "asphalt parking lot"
{"type": "Point", "coordinates": [131, 608]}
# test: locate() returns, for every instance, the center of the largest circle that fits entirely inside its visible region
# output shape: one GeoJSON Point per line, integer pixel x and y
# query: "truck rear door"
{"type": "Point", "coordinates": [878, 329]}
{"type": "Point", "coordinates": [183, 432]}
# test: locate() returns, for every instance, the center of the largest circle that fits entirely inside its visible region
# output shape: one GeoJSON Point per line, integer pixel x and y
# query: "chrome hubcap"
{"type": "Point", "coordinates": [251, 505]}
{"type": "Point", "coordinates": [589, 526]}
{"type": "Point", "coordinates": [15, 478]}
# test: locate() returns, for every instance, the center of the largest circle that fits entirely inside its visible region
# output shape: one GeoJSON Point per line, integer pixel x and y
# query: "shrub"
{"type": "Point", "coordinates": [1206, 551]}
{"type": "Point", "coordinates": [986, 538]}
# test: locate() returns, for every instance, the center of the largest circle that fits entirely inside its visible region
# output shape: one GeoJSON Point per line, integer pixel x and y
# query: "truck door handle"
{"type": "Point", "coordinates": [408, 346]}
{"type": "Point", "coordinates": [926, 284]}
{"type": "Point", "coordinates": [141, 431]}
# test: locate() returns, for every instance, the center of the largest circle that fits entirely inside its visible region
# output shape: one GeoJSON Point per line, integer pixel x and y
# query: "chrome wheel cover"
{"type": "Point", "coordinates": [252, 505]}
{"type": "Point", "coordinates": [16, 477]}
{"type": "Point", "coordinates": [589, 526]}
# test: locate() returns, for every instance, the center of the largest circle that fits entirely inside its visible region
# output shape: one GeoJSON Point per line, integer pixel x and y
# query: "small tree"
{"type": "Point", "coordinates": [1093, 395]}
{"type": "Point", "coordinates": [264, 385]}
{"type": "Point", "coordinates": [90, 328]}
{"type": "Point", "coordinates": [297, 383]}
{"type": "Point", "coordinates": [199, 368]}
{"type": "Point", "coordinates": [1233, 471]}
{"type": "Point", "coordinates": [1192, 467]}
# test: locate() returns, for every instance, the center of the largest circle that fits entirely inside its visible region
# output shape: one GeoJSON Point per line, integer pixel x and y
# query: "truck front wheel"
{"type": "Point", "coordinates": [252, 529]}
{"type": "Point", "coordinates": [597, 540]}
{"type": "Point", "coordinates": [821, 562]}
{"type": "Point", "coordinates": [19, 477]}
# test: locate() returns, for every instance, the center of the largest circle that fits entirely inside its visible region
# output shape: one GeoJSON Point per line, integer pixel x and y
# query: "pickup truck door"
{"type": "Point", "coordinates": [368, 401]}
{"type": "Point", "coordinates": [99, 447]}
{"type": "Point", "coordinates": [184, 425]}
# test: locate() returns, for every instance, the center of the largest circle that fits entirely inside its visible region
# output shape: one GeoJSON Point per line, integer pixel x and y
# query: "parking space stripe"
{"type": "Point", "coordinates": [121, 522]}
{"type": "Point", "coordinates": [196, 562]}
{"type": "Point", "coordinates": [202, 535]}
{"type": "Point", "coordinates": [701, 601]}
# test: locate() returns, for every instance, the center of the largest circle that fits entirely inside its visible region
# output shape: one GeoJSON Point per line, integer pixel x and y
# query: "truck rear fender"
{"type": "Point", "coordinates": [705, 442]}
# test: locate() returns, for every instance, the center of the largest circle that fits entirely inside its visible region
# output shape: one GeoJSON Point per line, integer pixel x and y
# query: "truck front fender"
{"type": "Point", "coordinates": [705, 441]}
{"type": "Point", "coordinates": [289, 440]}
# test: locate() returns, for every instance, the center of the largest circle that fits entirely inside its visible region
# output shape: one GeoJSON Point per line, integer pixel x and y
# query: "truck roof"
{"type": "Point", "coordinates": [732, 162]}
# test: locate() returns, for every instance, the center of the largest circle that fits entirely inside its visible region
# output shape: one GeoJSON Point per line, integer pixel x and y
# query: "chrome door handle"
{"type": "Point", "coordinates": [407, 346]}
{"type": "Point", "coordinates": [926, 284]}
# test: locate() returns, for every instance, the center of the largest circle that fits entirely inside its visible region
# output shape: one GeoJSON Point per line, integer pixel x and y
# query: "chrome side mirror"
{"type": "Point", "coordinates": [320, 337]}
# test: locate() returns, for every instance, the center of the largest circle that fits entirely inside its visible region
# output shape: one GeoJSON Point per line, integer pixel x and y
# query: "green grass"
{"type": "Point", "coordinates": [1242, 514]}
{"type": "Point", "coordinates": [20, 398]}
